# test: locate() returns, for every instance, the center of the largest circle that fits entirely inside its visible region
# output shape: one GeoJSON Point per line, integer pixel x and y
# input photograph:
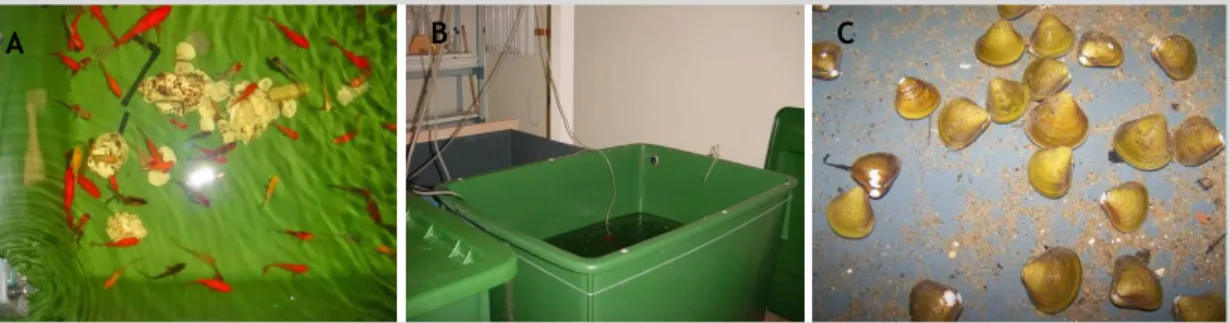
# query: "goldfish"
{"type": "Point", "coordinates": [115, 187]}
{"type": "Point", "coordinates": [159, 166]}
{"type": "Point", "coordinates": [214, 284]}
{"type": "Point", "coordinates": [359, 80]}
{"type": "Point", "coordinates": [74, 38]}
{"type": "Point", "coordinates": [121, 243]}
{"type": "Point", "coordinates": [149, 144]}
{"type": "Point", "coordinates": [115, 86]}
{"type": "Point", "coordinates": [96, 12]}
{"type": "Point", "coordinates": [179, 124]}
{"type": "Point", "coordinates": [301, 235]}
{"type": "Point", "coordinates": [347, 137]}
{"type": "Point", "coordinates": [73, 64]}
{"type": "Point", "coordinates": [294, 37]}
{"type": "Point", "coordinates": [374, 211]}
{"type": "Point", "coordinates": [273, 182]}
{"type": "Point", "coordinates": [357, 60]}
{"type": "Point", "coordinates": [88, 186]}
{"type": "Point", "coordinates": [69, 193]}
{"type": "Point", "coordinates": [231, 71]}
{"type": "Point", "coordinates": [294, 135]}
{"type": "Point", "coordinates": [246, 92]}
{"type": "Point", "coordinates": [115, 276]}
{"type": "Point", "coordinates": [75, 158]}
{"type": "Point", "coordinates": [171, 270]}
{"type": "Point", "coordinates": [152, 19]}
{"type": "Point", "coordinates": [387, 251]}
{"type": "Point", "coordinates": [390, 126]}
{"type": "Point", "coordinates": [295, 269]}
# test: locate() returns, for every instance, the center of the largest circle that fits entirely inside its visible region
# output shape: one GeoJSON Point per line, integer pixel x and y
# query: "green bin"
{"type": "Point", "coordinates": [786, 156]}
{"type": "Point", "coordinates": [451, 266]}
{"type": "Point", "coordinates": [691, 238]}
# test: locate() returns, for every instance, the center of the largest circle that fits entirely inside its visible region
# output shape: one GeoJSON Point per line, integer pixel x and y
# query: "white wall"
{"type": "Point", "coordinates": [518, 91]}
{"type": "Point", "coordinates": [687, 77]}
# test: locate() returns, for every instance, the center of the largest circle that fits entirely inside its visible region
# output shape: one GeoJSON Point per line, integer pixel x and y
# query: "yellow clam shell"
{"type": "Point", "coordinates": [916, 99]}
{"type": "Point", "coordinates": [1126, 205]}
{"type": "Point", "coordinates": [1144, 143]}
{"type": "Point", "coordinates": [850, 215]}
{"type": "Point", "coordinates": [1051, 38]}
{"type": "Point", "coordinates": [1011, 12]}
{"type": "Point", "coordinates": [1046, 76]}
{"type": "Point", "coordinates": [1006, 100]}
{"type": "Point", "coordinates": [961, 121]}
{"type": "Point", "coordinates": [1202, 308]}
{"type": "Point", "coordinates": [1001, 45]}
{"type": "Point", "coordinates": [1175, 55]}
{"type": "Point", "coordinates": [1134, 286]}
{"type": "Point", "coordinates": [934, 302]}
{"type": "Point", "coordinates": [826, 60]}
{"type": "Point", "coordinates": [1097, 49]}
{"type": "Point", "coordinates": [1050, 171]}
{"type": "Point", "coordinates": [1053, 279]}
{"type": "Point", "coordinates": [1196, 140]}
{"type": "Point", "coordinates": [876, 172]}
{"type": "Point", "coordinates": [1058, 121]}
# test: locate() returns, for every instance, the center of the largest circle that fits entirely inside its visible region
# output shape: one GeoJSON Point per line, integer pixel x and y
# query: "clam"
{"type": "Point", "coordinates": [1144, 143]}
{"type": "Point", "coordinates": [1051, 38]}
{"type": "Point", "coordinates": [1058, 121]}
{"type": "Point", "coordinates": [1176, 55]}
{"type": "Point", "coordinates": [960, 122]}
{"type": "Point", "coordinates": [1134, 286]}
{"type": "Point", "coordinates": [1050, 171]}
{"type": "Point", "coordinates": [916, 99]}
{"type": "Point", "coordinates": [1006, 100]}
{"type": "Point", "coordinates": [1000, 45]}
{"type": "Point", "coordinates": [1197, 140]}
{"type": "Point", "coordinates": [1010, 12]}
{"type": "Point", "coordinates": [826, 60]}
{"type": "Point", "coordinates": [850, 214]}
{"type": "Point", "coordinates": [934, 302]}
{"type": "Point", "coordinates": [875, 173]}
{"type": "Point", "coordinates": [1202, 308]}
{"type": "Point", "coordinates": [1127, 206]}
{"type": "Point", "coordinates": [1052, 279]}
{"type": "Point", "coordinates": [1097, 49]}
{"type": "Point", "coordinates": [1046, 76]}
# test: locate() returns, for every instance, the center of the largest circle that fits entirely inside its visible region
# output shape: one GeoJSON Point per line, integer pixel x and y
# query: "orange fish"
{"type": "Point", "coordinates": [152, 19]}
{"type": "Point", "coordinates": [179, 124]}
{"type": "Point", "coordinates": [81, 112]}
{"type": "Point", "coordinates": [115, 276]}
{"type": "Point", "coordinates": [115, 187]}
{"type": "Point", "coordinates": [246, 92]}
{"type": "Point", "coordinates": [159, 166]}
{"type": "Point", "coordinates": [231, 71]}
{"type": "Point", "coordinates": [294, 37]}
{"type": "Point", "coordinates": [273, 182]}
{"type": "Point", "coordinates": [115, 86]}
{"type": "Point", "coordinates": [72, 64]}
{"type": "Point", "coordinates": [390, 126]}
{"type": "Point", "coordinates": [70, 182]}
{"type": "Point", "coordinates": [88, 186]}
{"type": "Point", "coordinates": [294, 135]}
{"type": "Point", "coordinates": [301, 235]}
{"type": "Point", "coordinates": [121, 243]}
{"type": "Point", "coordinates": [214, 284]}
{"type": "Point", "coordinates": [358, 61]}
{"type": "Point", "coordinates": [96, 12]}
{"type": "Point", "coordinates": [346, 137]}
{"type": "Point", "coordinates": [74, 38]}
{"type": "Point", "coordinates": [149, 144]}
{"type": "Point", "coordinates": [295, 269]}
{"type": "Point", "coordinates": [374, 211]}
{"type": "Point", "coordinates": [386, 250]}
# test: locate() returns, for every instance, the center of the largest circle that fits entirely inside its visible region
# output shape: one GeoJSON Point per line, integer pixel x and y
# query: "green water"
{"type": "Point", "coordinates": [347, 280]}
{"type": "Point", "coordinates": [591, 241]}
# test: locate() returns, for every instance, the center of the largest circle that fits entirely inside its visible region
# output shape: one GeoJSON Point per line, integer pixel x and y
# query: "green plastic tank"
{"type": "Point", "coordinates": [451, 266]}
{"type": "Point", "coordinates": [786, 156]}
{"type": "Point", "coordinates": [688, 238]}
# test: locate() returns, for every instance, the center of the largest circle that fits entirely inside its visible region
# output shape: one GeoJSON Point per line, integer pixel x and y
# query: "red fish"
{"type": "Point", "coordinates": [246, 92]}
{"type": "Point", "coordinates": [358, 61]}
{"type": "Point", "coordinates": [179, 124]}
{"type": "Point", "coordinates": [291, 34]}
{"type": "Point", "coordinates": [73, 64]}
{"type": "Point", "coordinates": [121, 243]}
{"type": "Point", "coordinates": [294, 269]}
{"type": "Point", "coordinates": [70, 190]}
{"type": "Point", "coordinates": [374, 211]}
{"type": "Point", "coordinates": [294, 135]}
{"type": "Point", "coordinates": [390, 126]}
{"type": "Point", "coordinates": [301, 235]}
{"type": "Point", "coordinates": [96, 12]}
{"type": "Point", "coordinates": [74, 38]}
{"type": "Point", "coordinates": [79, 228]}
{"type": "Point", "coordinates": [88, 186]}
{"type": "Point", "coordinates": [159, 166]}
{"type": "Point", "coordinates": [215, 284]}
{"type": "Point", "coordinates": [115, 187]}
{"type": "Point", "coordinates": [346, 137]}
{"type": "Point", "coordinates": [152, 19]}
{"type": "Point", "coordinates": [115, 86]}
{"type": "Point", "coordinates": [153, 149]}
{"type": "Point", "coordinates": [86, 115]}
